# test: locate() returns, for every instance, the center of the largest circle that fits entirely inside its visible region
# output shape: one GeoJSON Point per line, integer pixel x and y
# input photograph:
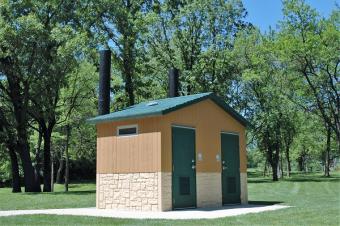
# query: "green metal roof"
{"type": "Point", "coordinates": [164, 106]}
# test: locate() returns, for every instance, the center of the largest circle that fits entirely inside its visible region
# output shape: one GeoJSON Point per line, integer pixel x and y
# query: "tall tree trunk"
{"type": "Point", "coordinates": [301, 161]}
{"type": "Point", "coordinates": [328, 149]}
{"type": "Point", "coordinates": [273, 159]}
{"type": "Point", "coordinates": [18, 92]}
{"type": "Point", "coordinates": [265, 168]}
{"type": "Point", "coordinates": [129, 60]}
{"type": "Point", "coordinates": [67, 166]}
{"type": "Point", "coordinates": [281, 166]}
{"type": "Point", "coordinates": [60, 168]}
{"type": "Point", "coordinates": [288, 161]}
{"type": "Point", "coordinates": [52, 172]}
{"type": "Point", "coordinates": [16, 187]}
{"type": "Point", "coordinates": [38, 156]}
{"type": "Point", "coordinates": [47, 159]}
{"type": "Point", "coordinates": [10, 142]}
{"type": "Point", "coordinates": [30, 178]}
{"type": "Point", "coordinates": [275, 162]}
{"type": "Point", "coordinates": [274, 170]}
{"type": "Point", "coordinates": [129, 88]}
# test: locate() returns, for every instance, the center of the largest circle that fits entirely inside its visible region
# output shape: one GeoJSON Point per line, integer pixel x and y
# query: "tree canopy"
{"type": "Point", "coordinates": [284, 81]}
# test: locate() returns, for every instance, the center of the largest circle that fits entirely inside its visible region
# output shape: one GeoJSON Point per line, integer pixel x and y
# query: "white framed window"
{"type": "Point", "coordinates": [128, 130]}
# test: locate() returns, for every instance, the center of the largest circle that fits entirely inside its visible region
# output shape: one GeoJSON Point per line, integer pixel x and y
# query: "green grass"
{"type": "Point", "coordinates": [315, 200]}
{"type": "Point", "coordinates": [79, 195]}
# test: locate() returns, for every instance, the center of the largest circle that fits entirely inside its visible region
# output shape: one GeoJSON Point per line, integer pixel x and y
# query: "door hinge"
{"type": "Point", "coordinates": [173, 168]}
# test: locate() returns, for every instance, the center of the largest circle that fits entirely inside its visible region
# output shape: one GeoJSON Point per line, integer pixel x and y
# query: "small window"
{"type": "Point", "coordinates": [127, 130]}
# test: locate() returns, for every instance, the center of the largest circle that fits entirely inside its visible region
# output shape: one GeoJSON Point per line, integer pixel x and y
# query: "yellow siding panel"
{"type": "Point", "coordinates": [125, 154]}
{"type": "Point", "coordinates": [209, 120]}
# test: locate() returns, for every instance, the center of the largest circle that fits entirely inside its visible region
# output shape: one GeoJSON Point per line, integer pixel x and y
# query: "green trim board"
{"type": "Point", "coordinates": [164, 106]}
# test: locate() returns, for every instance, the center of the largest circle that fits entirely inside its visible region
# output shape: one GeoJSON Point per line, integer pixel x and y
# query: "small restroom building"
{"type": "Point", "coordinates": [173, 153]}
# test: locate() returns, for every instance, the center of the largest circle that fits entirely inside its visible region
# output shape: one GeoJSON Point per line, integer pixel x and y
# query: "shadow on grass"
{"type": "Point", "coordinates": [296, 179]}
{"type": "Point", "coordinates": [257, 177]}
{"type": "Point", "coordinates": [258, 181]}
{"type": "Point", "coordinates": [265, 203]}
{"type": "Point", "coordinates": [314, 179]}
{"type": "Point", "coordinates": [81, 184]}
{"type": "Point", "coordinates": [75, 192]}
{"type": "Point", "coordinates": [87, 192]}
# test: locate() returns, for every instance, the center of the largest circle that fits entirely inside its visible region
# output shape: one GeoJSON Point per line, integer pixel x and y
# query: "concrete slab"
{"type": "Point", "coordinates": [200, 213]}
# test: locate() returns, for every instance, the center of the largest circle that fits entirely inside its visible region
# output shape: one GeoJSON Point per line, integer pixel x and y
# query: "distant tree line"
{"type": "Point", "coordinates": [284, 81]}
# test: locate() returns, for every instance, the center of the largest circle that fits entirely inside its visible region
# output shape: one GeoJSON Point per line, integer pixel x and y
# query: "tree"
{"type": "Point", "coordinates": [49, 52]}
{"type": "Point", "coordinates": [291, 124]}
{"type": "Point", "coordinates": [197, 37]}
{"type": "Point", "coordinates": [7, 136]}
{"type": "Point", "coordinates": [55, 47]}
{"type": "Point", "coordinates": [17, 43]}
{"type": "Point", "coordinates": [309, 143]}
{"type": "Point", "coordinates": [308, 44]}
{"type": "Point", "coordinates": [270, 111]}
{"type": "Point", "coordinates": [77, 102]}
{"type": "Point", "coordinates": [118, 25]}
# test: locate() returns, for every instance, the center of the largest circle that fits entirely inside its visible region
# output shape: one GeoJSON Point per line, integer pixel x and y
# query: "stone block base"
{"type": "Point", "coordinates": [153, 191]}
{"type": "Point", "coordinates": [209, 189]}
{"type": "Point", "coordinates": [244, 188]}
{"type": "Point", "coordinates": [130, 191]}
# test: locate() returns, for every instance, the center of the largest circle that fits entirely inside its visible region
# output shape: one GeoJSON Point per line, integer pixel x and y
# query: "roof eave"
{"type": "Point", "coordinates": [97, 120]}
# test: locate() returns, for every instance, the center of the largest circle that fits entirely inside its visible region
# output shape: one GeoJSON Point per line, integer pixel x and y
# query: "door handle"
{"type": "Point", "coordinates": [224, 167]}
{"type": "Point", "coordinates": [193, 167]}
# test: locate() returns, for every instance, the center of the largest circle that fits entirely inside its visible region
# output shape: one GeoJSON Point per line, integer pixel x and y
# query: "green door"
{"type": "Point", "coordinates": [183, 168]}
{"type": "Point", "coordinates": [231, 192]}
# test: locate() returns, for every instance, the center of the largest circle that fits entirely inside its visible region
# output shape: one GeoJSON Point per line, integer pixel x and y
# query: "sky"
{"type": "Point", "coordinates": [265, 13]}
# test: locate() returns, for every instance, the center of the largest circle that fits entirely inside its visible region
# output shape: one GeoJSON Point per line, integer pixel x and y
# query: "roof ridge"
{"type": "Point", "coordinates": [203, 94]}
{"type": "Point", "coordinates": [164, 106]}
{"type": "Point", "coordinates": [167, 98]}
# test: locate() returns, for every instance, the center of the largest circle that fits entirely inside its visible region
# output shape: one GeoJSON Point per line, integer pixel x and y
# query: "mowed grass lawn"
{"type": "Point", "coordinates": [315, 200]}
{"type": "Point", "coordinates": [79, 195]}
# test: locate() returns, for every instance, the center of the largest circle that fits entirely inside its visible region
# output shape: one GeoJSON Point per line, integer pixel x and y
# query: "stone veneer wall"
{"type": "Point", "coordinates": [130, 191]}
{"type": "Point", "coordinates": [166, 191]}
{"type": "Point", "coordinates": [244, 188]}
{"type": "Point", "coordinates": [209, 189]}
{"type": "Point", "coordinates": [153, 191]}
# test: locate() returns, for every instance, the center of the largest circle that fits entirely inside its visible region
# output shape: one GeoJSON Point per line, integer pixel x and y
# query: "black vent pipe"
{"type": "Point", "coordinates": [173, 82]}
{"type": "Point", "coordinates": [104, 82]}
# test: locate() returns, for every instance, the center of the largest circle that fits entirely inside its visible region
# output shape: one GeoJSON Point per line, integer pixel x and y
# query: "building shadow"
{"type": "Point", "coordinates": [264, 203]}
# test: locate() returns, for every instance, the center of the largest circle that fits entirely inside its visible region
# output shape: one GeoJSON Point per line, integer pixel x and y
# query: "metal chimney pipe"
{"type": "Point", "coordinates": [173, 82]}
{"type": "Point", "coordinates": [104, 82]}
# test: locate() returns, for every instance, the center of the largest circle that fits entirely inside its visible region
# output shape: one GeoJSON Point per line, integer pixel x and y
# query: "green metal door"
{"type": "Point", "coordinates": [231, 191]}
{"type": "Point", "coordinates": [183, 168]}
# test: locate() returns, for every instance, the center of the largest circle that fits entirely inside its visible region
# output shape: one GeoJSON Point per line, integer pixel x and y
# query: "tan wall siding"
{"type": "Point", "coordinates": [125, 154]}
{"type": "Point", "coordinates": [209, 120]}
